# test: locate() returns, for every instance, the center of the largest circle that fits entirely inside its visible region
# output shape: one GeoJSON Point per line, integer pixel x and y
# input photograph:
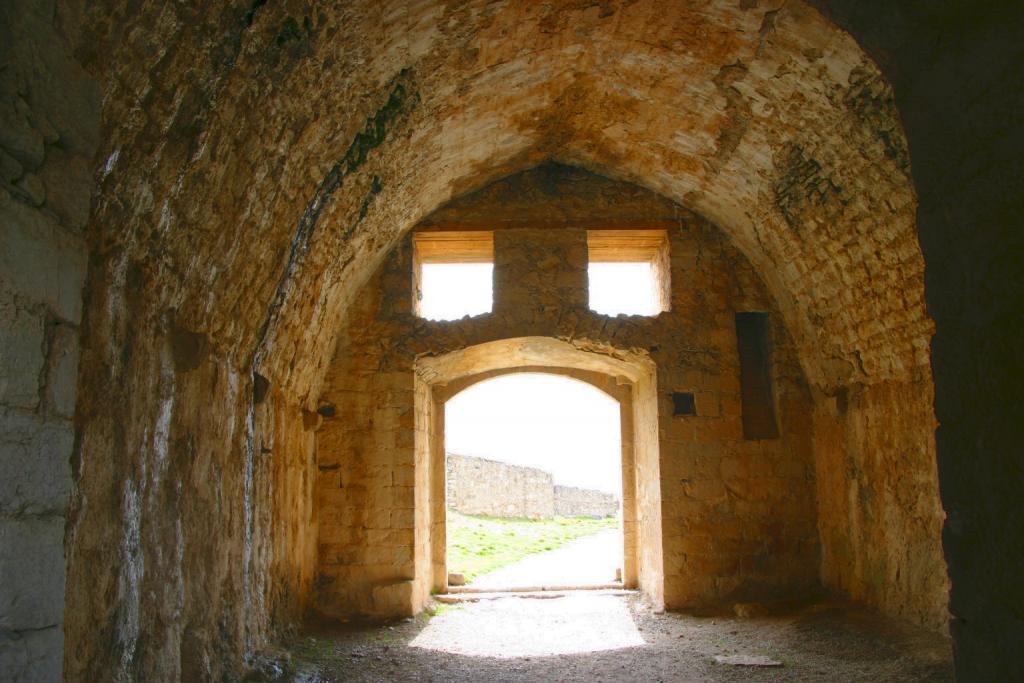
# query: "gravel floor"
{"type": "Point", "coordinates": [593, 637]}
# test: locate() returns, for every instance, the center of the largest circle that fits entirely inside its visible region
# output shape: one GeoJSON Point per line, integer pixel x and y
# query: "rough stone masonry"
{"type": "Point", "coordinates": [478, 486]}
{"type": "Point", "coordinates": [201, 203]}
{"type": "Point", "coordinates": [48, 138]}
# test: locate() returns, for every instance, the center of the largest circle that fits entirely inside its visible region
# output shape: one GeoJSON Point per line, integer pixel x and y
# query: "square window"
{"type": "Point", "coordinates": [453, 274]}
{"type": "Point", "coordinates": [628, 271]}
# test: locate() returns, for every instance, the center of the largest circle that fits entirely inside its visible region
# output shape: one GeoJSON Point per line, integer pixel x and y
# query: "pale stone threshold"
{"type": "Point", "coordinates": [469, 594]}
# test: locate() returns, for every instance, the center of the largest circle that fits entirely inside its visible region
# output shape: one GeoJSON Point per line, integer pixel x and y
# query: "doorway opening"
{"type": "Point", "coordinates": [628, 377]}
{"type": "Point", "coordinates": [533, 482]}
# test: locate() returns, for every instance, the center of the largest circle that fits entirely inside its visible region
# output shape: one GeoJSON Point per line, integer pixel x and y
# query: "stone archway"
{"type": "Point", "coordinates": [213, 135]}
{"type": "Point", "coordinates": [628, 379]}
{"type": "Point", "coordinates": [182, 298]}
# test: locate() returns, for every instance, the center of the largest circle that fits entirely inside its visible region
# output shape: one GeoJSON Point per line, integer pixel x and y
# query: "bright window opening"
{"type": "Point", "coordinates": [453, 290]}
{"type": "Point", "coordinates": [453, 274]}
{"type": "Point", "coordinates": [628, 271]}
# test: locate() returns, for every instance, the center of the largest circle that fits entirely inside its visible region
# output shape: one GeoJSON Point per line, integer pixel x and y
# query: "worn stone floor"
{"type": "Point", "coordinates": [593, 636]}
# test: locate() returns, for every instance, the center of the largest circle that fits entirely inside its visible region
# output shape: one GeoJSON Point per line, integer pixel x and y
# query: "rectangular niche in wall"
{"type": "Point", "coordinates": [628, 271]}
{"type": "Point", "coordinates": [453, 274]}
{"type": "Point", "coordinates": [757, 398]}
{"type": "Point", "coordinates": [683, 404]}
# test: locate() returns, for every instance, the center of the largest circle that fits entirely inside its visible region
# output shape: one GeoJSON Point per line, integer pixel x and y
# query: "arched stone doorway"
{"type": "Point", "coordinates": [740, 508]}
{"type": "Point", "coordinates": [629, 380]}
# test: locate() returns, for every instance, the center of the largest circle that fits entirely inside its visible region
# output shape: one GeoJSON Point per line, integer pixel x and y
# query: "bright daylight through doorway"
{"type": "Point", "coordinates": [533, 484]}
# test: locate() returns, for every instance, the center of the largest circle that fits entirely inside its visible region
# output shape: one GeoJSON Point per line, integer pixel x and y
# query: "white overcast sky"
{"type": "Point", "coordinates": [557, 424]}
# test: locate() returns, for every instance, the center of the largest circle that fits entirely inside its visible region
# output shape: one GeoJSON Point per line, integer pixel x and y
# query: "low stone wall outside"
{"type": "Point", "coordinates": [477, 486]}
{"type": "Point", "coordinates": [571, 501]}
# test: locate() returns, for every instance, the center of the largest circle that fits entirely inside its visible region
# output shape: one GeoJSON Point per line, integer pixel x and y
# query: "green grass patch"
{"type": "Point", "coordinates": [437, 609]}
{"type": "Point", "coordinates": [478, 544]}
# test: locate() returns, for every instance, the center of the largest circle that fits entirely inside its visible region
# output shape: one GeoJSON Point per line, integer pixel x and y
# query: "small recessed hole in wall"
{"type": "Point", "coordinates": [842, 400]}
{"type": "Point", "coordinates": [326, 410]}
{"type": "Point", "coordinates": [311, 421]}
{"type": "Point", "coordinates": [683, 403]}
{"type": "Point", "coordinates": [260, 386]}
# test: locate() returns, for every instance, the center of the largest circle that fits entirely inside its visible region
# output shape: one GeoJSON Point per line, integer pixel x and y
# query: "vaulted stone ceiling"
{"type": "Point", "coordinates": [260, 162]}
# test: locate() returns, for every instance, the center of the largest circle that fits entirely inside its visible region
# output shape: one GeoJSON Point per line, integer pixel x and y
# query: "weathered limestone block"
{"type": "Point", "coordinates": [52, 99]}
{"type": "Point", "coordinates": [35, 469]}
{"type": "Point", "coordinates": [31, 572]}
{"type": "Point", "coordinates": [17, 136]}
{"type": "Point", "coordinates": [394, 599]}
{"type": "Point", "coordinates": [62, 370]}
{"type": "Point", "coordinates": [10, 169]}
{"type": "Point", "coordinates": [572, 501]}
{"type": "Point", "coordinates": [32, 189]}
{"type": "Point", "coordinates": [40, 261]}
{"type": "Point", "coordinates": [21, 352]}
{"type": "Point", "coordinates": [32, 655]}
{"type": "Point", "coordinates": [68, 181]}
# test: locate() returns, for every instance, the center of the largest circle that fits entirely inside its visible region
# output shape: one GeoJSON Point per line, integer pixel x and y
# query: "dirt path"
{"type": "Point", "coordinates": [588, 561]}
{"type": "Point", "coordinates": [592, 637]}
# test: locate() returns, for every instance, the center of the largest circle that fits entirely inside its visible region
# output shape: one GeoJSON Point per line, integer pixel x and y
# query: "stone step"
{"type": "Point", "coordinates": [614, 585]}
{"type": "Point", "coordinates": [542, 594]}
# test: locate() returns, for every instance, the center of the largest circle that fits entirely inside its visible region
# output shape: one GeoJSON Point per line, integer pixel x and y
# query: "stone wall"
{"type": "Point", "coordinates": [571, 501]}
{"type": "Point", "coordinates": [49, 130]}
{"type": "Point", "coordinates": [477, 486]}
{"type": "Point", "coordinates": [258, 164]}
{"type": "Point", "coordinates": [967, 167]}
{"type": "Point", "coordinates": [738, 516]}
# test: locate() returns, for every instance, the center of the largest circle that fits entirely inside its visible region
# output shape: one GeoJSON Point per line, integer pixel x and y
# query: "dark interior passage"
{"type": "Point", "coordinates": [220, 411]}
